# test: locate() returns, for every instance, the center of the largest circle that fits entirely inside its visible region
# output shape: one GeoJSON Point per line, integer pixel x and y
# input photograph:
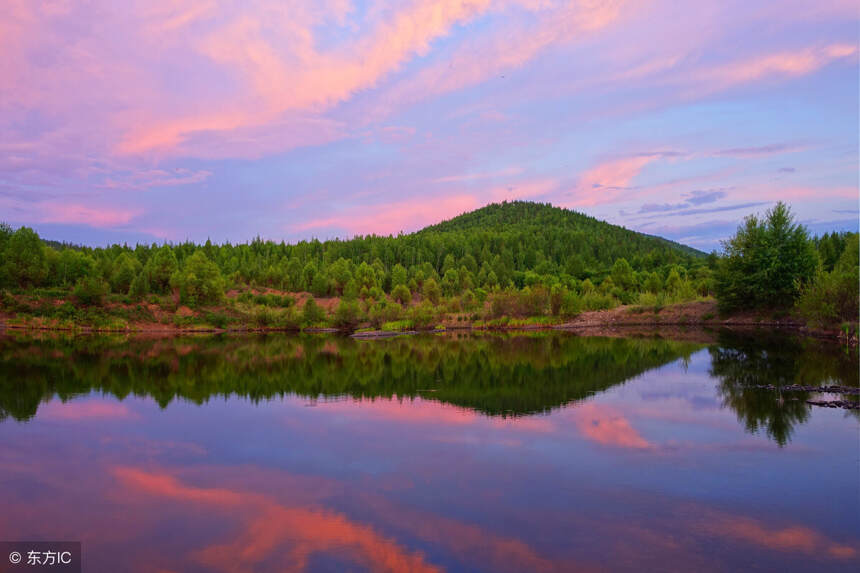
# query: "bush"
{"type": "Point", "coordinates": [832, 297]}
{"type": "Point", "coordinates": [383, 312]}
{"type": "Point", "coordinates": [312, 313]}
{"type": "Point", "coordinates": [571, 305]}
{"type": "Point", "coordinates": [217, 319]}
{"type": "Point", "coordinates": [91, 291]}
{"type": "Point", "coordinates": [423, 315]}
{"type": "Point", "coordinates": [347, 315]}
{"type": "Point", "coordinates": [596, 301]}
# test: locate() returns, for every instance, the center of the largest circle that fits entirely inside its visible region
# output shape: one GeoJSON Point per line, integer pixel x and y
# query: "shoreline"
{"type": "Point", "coordinates": [679, 319]}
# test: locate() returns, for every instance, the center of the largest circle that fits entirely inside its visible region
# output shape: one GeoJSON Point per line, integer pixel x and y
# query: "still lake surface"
{"type": "Point", "coordinates": [527, 452]}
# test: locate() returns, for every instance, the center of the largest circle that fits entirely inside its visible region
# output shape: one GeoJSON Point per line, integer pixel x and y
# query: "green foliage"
{"type": "Point", "coordinates": [766, 263]}
{"type": "Point", "coordinates": [125, 269]}
{"type": "Point", "coordinates": [139, 287]}
{"type": "Point", "coordinates": [398, 275]}
{"type": "Point", "coordinates": [25, 263]}
{"type": "Point", "coordinates": [833, 296]}
{"type": "Point", "coordinates": [401, 294]}
{"type": "Point", "coordinates": [347, 315]}
{"type": "Point", "coordinates": [312, 313]}
{"type": "Point", "coordinates": [161, 268]}
{"type": "Point", "coordinates": [526, 259]}
{"type": "Point", "coordinates": [431, 291]}
{"type": "Point", "coordinates": [91, 291]}
{"type": "Point", "coordinates": [199, 281]}
{"type": "Point", "coordinates": [383, 312]}
{"type": "Point", "coordinates": [423, 315]}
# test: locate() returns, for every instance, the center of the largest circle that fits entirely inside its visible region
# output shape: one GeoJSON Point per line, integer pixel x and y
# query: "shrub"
{"type": "Point", "coordinates": [347, 315]}
{"type": "Point", "coordinates": [383, 312]}
{"type": "Point", "coordinates": [832, 296]}
{"type": "Point", "coordinates": [312, 313]}
{"type": "Point", "coordinates": [423, 315]}
{"type": "Point", "coordinates": [91, 290]}
{"type": "Point", "coordinates": [217, 319]}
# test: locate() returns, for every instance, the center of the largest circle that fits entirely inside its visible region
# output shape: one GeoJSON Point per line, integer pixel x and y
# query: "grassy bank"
{"type": "Point", "coordinates": [271, 310]}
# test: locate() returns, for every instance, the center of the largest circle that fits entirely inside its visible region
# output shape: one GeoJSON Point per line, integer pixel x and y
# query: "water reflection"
{"type": "Point", "coordinates": [492, 374]}
{"type": "Point", "coordinates": [545, 452]}
{"type": "Point", "coordinates": [495, 375]}
{"type": "Point", "coordinates": [744, 363]}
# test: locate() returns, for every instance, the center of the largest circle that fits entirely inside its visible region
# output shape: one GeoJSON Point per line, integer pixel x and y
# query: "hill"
{"type": "Point", "coordinates": [510, 243]}
{"type": "Point", "coordinates": [568, 238]}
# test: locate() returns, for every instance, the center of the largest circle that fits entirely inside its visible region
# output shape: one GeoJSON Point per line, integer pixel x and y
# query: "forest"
{"type": "Point", "coordinates": [506, 264]}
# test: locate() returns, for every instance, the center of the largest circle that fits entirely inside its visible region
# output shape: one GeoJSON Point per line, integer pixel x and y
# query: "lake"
{"type": "Point", "coordinates": [459, 452]}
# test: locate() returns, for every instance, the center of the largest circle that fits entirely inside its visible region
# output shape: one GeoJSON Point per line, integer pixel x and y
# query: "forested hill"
{"type": "Point", "coordinates": [507, 244]}
{"type": "Point", "coordinates": [547, 228]}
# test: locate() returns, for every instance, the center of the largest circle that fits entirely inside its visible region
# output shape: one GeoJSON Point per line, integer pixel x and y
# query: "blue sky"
{"type": "Point", "coordinates": [226, 120]}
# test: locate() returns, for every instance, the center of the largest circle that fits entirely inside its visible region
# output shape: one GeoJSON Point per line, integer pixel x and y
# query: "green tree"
{"type": "Point", "coordinates": [401, 294]}
{"type": "Point", "coordinates": [398, 275]}
{"type": "Point", "coordinates": [24, 260]}
{"type": "Point", "coordinates": [139, 287]}
{"type": "Point", "coordinates": [431, 291]}
{"type": "Point", "coordinates": [125, 268]}
{"type": "Point", "coordinates": [832, 296]}
{"type": "Point", "coordinates": [161, 268]}
{"type": "Point", "coordinates": [199, 281]}
{"type": "Point", "coordinates": [766, 263]}
{"type": "Point", "coordinates": [622, 274]}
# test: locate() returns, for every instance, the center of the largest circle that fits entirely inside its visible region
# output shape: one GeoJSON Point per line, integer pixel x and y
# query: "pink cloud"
{"type": "Point", "coordinates": [607, 180]}
{"type": "Point", "coordinates": [391, 218]}
{"type": "Point", "coordinates": [431, 412]}
{"type": "Point", "coordinates": [85, 215]}
{"type": "Point", "coordinates": [606, 426]}
{"type": "Point", "coordinates": [279, 63]}
{"type": "Point", "coordinates": [86, 410]}
{"type": "Point", "coordinates": [507, 48]}
{"type": "Point", "coordinates": [266, 526]}
{"type": "Point", "coordinates": [785, 64]}
{"type": "Point", "coordinates": [795, 538]}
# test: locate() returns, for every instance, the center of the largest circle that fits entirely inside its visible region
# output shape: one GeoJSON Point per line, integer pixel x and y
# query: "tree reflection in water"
{"type": "Point", "coordinates": [745, 362]}
{"type": "Point", "coordinates": [505, 375]}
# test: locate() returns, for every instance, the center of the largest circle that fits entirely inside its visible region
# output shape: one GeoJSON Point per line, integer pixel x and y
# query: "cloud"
{"type": "Point", "coordinates": [507, 172]}
{"type": "Point", "coordinates": [793, 538]}
{"type": "Point", "coordinates": [60, 212]}
{"type": "Point", "coordinates": [775, 65]}
{"type": "Point", "coordinates": [270, 526]}
{"type": "Point", "coordinates": [391, 218]}
{"type": "Point", "coordinates": [701, 197]}
{"type": "Point", "coordinates": [760, 151]}
{"type": "Point", "coordinates": [148, 178]}
{"type": "Point", "coordinates": [86, 410]}
{"type": "Point", "coordinates": [608, 427]}
{"type": "Point", "coordinates": [698, 197]}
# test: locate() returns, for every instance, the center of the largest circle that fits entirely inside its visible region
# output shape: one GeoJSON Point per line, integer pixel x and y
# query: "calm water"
{"type": "Point", "coordinates": [541, 452]}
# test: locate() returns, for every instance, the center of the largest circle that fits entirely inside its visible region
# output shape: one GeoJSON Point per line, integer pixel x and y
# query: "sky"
{"type": "Point", "coordinates": [160, 120]}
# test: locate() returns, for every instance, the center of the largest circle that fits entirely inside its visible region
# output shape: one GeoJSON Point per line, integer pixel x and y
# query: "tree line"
{"type": "Point", "coordinates": [512, 259]}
